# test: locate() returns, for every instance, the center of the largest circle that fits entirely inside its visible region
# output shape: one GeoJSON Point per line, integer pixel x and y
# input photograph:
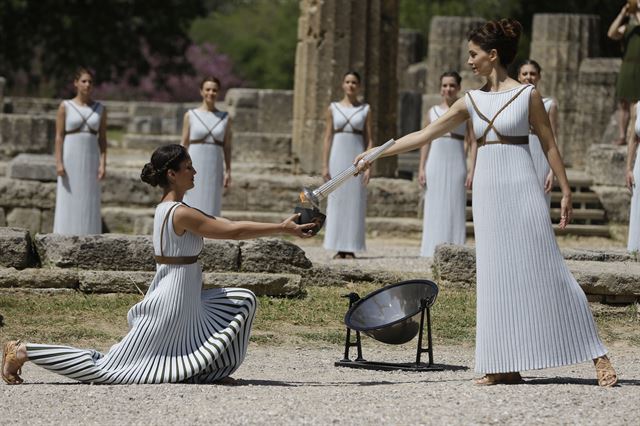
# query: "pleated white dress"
{"type": "Point", "coordinates": [346, 206]}
{"type": "Point", "coordinates": [78, 192]}
{"type": "Point", "coordinates": [445, 198]}
{"type": "Point", "coordinates": [178, 332]}
{"type": "Point", "coordinates": [633, 243]}
{"type": "Point", "coordinates": [540, 162]}
{"type": "Point", "coordinates": [206, 134]}
{"type": "Point", "coordinates": [531, 312]}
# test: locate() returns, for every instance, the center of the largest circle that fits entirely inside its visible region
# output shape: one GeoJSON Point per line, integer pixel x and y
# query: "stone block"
{"type": "Point", "coordinates": [148, 142]}
{"type": "Point", "coordinates": [46, 221]}
{"type": "Point", "coordinates": [274, 285]}
{"type": "Point", "coordinates": [242, 98]}
{"type": "Point", "coordinates": [38, 278]}
{"type": "Point", "coordinates": [114, 281]}
{"type": "Point", "coordinates": [40, 167]}
{"type": "Point", "coordinates": [454, 265]}
{"type": "Point", "coordinates": [3, 218]}
{"type": "Point", "coordinates": [595, 255]}
{"type": "Point", "coordinates": [275, 111]}
{"type": "Point", "coordinates": [220, 255]}
{"type": "Point", "coordinates": [16, 249]}
{"type": "Point", "coordinates": [409, 112]}
{"type": "Point", "coordinates": [245, 120]}
{"type": "Point", "coordinates": [616, 201]}
{"type": "Point", "coordinates": [607, 278]}
{"type": "Point", "coordinates": [25, 218]}
{"type": "Point", "coordinates": [26, 134]}
{"type": "Point", "coordinates": [24, 193]}
{"type": "Point", "coordinates": [272, 255]}
{"type": "Point", "coordinates": [261, 147]}
{"type": "Point", "coordinates": [124, 188]}
{"type": "Point", "coordinates": [607, 164]}
{"type": "Point", "coordinates": [125, 220]}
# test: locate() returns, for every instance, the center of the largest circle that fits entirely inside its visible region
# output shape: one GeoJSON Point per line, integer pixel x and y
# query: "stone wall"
{"type": "Point", "coordinates": [20, 133]}
{"type": "Point", "coordinates": [606, 165]}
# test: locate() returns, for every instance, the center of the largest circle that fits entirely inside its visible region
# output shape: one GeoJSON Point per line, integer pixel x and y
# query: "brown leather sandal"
{"type": "Point", "coordinates": [606, 374]}
{"type": "Point", "coordinates": [10, 359]}
{"type": "Point", "coordinates": [500, 379]}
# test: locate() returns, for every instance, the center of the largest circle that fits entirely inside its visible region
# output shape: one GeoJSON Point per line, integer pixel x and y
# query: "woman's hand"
{"type": "Point", "coordinates": [422, 178]}
{"type": "Point", "coordinates": [625, 10]}
{"type": "Point", "coordinates": [548, 183]}
{"type": "Point", "coordinates": [101, 171]}
{"type": "Point", "coordinates": [60, 169]}
{"type": "Point", "coordinates": [291, 227]}
{"type": "Point", "coordinates": [325, 174]}
{"type": "Point", "coordinates": [361, 164]}
{"type": "Point", "coordinates": [566, 210]}
{"type": "Point", "coordinates": [468, 183]}
{"type": "Point", "coordinates": [227, 179]}
{"type": "Point", "coordinates": [631, 181]}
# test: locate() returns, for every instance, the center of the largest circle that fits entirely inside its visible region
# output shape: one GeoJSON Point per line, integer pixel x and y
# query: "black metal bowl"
{"type": "Point", "coordinates": [308, 215]}
{"type": "Point", "coordinates": [392, 314]}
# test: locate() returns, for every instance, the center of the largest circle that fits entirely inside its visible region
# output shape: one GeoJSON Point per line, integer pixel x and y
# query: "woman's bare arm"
{"type": "Point", "coordinates": [472, 143]}
{"type": "Point", "coordinates": [424, 155]}
{"type": "Point", "coordinates": [102, 142]}
{"type": "Point", "coordinates": [184, 141]}
{"type": "Point", "coordinates": [326, 146]}
{"type": "Point", "coordinates": [60, 123]}
{"type": "Point", "coordinates": [616, 29]}
{"type": "Point", "coordinates": [227, 153]}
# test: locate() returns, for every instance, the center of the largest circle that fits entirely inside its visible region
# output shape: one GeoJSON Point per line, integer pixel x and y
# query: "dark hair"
{"type": "Point", "coordinates": [502, 35]}
{"type": "Point", "coordinates": [212, 79]}
{"type": "Point", "coordinates": [532, 63]}
{"type": "Point", "coordinates": [453, 74]}
{"type": "Point", "coordinates": [82, 70]}
{"type": "Point", "coordinates": [353, 73]}
{"type": "Point", "coordinates": [163, 158]}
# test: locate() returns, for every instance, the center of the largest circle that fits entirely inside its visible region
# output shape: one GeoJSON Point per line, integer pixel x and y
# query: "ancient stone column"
{"type": "Point", "coordinates": [333, 37]}
{"type": "Point", "coordinates": [594, 105]}
{"type": "Point", "coordinates": [448, 49]}
{"type": "Point", "coordinates": [2, 83]}
{"type": "Point", "coordinates": [559, 43]}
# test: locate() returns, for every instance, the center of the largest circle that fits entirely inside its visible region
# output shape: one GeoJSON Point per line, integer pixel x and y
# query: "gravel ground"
{"type": "Point", "coordinates": [284, 386]}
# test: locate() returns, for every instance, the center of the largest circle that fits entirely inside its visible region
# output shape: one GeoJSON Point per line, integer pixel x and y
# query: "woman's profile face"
{"type": "Point", "coordinates": [528, 74]}
{"type": "Point", "coordinates": [479, 60]}
{"type": "Point", "coordinates": [350, 84]}
{"type": "Point", "coordinates": [83, 84]}
{"type": "Point", "coordinates": [183, 178]}
{"type": "Point", "coordinates": [209, 91]}
{"type": "Point", "coordinates": [449, 88]}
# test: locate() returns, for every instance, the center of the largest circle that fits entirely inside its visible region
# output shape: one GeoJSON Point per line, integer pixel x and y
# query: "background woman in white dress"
{"type": "Point", "coordinates": [206, 133]}
{"type": "Point", "coordinates": [347, 133]}
{"type": "Point", "coordinates": [530, 72]}
{"type": "Point", "coordinates": [81, 160]}
{"type": "Point", "coordinates": [633, 176]}
{"type": "Point", "coordinates": [443, 172]}
{"type": "Point", "coordinates": [178, 332]}
{"type": "Point", "coordinates": [531, 312]}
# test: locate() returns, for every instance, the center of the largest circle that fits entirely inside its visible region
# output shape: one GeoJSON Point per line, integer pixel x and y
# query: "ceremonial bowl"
{"type": "Point", "coordinates": [310, 216]}
{"type": "Point", "coordinates": [392, 314]}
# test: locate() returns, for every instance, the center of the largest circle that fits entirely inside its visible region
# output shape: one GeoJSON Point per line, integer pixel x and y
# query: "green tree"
{"type": "Point", "coordinates": [260, 36]}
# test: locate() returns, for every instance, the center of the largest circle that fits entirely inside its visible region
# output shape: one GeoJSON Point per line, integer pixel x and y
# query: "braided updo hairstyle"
{"type": "Point", "coordinates": [164, 158]}
{"type": "Point", "coordinates": [502, 35]}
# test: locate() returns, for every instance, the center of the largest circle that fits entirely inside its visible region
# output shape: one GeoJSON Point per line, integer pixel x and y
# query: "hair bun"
{"type": "Point", "coordinates": [149, 175]}
{"type": "Point", "coordinates": [510, 27]}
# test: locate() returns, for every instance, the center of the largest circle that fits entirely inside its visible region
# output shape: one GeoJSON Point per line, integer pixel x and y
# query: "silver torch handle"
{"type": "Point", "coordinates": [328, 187]}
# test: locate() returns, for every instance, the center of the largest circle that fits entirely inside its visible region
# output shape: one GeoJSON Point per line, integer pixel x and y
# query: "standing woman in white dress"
{"type": "Point", "coordinates": [531, 312]}
{"type": "Point", "coordinates": [81, 160]}
{"type": "Point", "coordinates": [206, 133]}
{"type": "Point", "coordinates": [443, 172]}
{"type": "Point", "coordinates": [633, 176]}
{"type": "Point", "coordinates": [530, 72]}
{"type": "Point", "coordinates": [178, 332]}
{"type": "Point", "coordinates": [347, 134]}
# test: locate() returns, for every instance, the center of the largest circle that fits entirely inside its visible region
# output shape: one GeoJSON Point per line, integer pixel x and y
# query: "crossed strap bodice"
{"type": "Point", "coordinates": [352, 127]}
{"type": "Point", "coordinates": [73, 115]}
{"type": "Point", "coordinates": [207, 134]}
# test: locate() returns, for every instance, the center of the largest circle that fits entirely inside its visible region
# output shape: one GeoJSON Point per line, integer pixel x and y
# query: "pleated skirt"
{"type": "Point", "coordinates": [178, 333]}
{"type": "Point", "coordinates": [540, 164]}
{"type": "Point", "coordinates": [346, 206]}
{"type": "Point", "coordinates": [633, 243]}
{"type": "Point", "coordinates": [77, 210]}
{"type": "Point", "coordinates": [531, 312]}
{"type": "Point", "coordinates": [445, 197]}
{"type": "Point", "coordinates": [206, 195]}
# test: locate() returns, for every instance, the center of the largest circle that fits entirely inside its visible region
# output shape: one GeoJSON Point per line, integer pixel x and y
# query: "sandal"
{"type": "Point", "coordinates": [339, 255]}
{"type": "Point", "coordinates": [500, 379]}
{"type": "Point", "coordinates": [10, 359]}
{"type": "Point", "coordinates": [349, 255]}
{"type": "Point", "coordinates": [606, 374]}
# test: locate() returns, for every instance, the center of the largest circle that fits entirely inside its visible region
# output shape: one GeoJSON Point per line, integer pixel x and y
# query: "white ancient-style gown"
{"type": "Point", "coordinates": [531, 312]}
{"type": "Point", "coordinates": [540, 162]}
{"type": "Point", "coordinates": [78, 192]}
{"type": "Point", "coordinates": [445, 198]}
{"type": "Point", "coordinates": [346, 206]}
{"type": "Point", "coordinates": [178, 332]}
{"type": "Point", "coordinates": [206, 134]}
{"type": "Point", "coordinates": [633, 243]}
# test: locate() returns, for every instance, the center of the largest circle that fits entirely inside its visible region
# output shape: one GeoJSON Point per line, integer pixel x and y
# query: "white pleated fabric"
{"type": "Point", "coordinates": [78, 192]}
{"type": "Point", "coordinates": [633, 243]}
{"type": "Point", "coordinates": [347, 205]}
{"type": "Point", "coordinates": [531, 312]}
{"type": "Point", "coordinates": [207, 159]}
{"type": "Point", "coordinates": [540, 162]}
{"type": "Point", "coordinates": [445, 197]}
{"type": "Point", "coordinates": [178, 332]}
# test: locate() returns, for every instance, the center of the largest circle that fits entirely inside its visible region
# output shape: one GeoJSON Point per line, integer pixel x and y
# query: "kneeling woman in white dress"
{"type": "Point", "coordinates": [443, 172]}
{"type": "Point", "coordinates": [206, 133]}
{"type": "Point", "coordinates": [530, 72]}
{"type": "Point", "coordinates": [81, 159]}
{"type": "Point", "coordinates": [633, 176]}
{"type": "Point", "coordinates": [178, 332]}
{"type": "Point", "coordinates": [347, 133]}
{"type": "Point", "coordinates": [531, 312]}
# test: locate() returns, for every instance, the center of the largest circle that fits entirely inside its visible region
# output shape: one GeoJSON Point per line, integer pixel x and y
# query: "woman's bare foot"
{"type": "Point", "coordinates": [500, 379]}
{"type": "Point", "coordinates": [607, 376]}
